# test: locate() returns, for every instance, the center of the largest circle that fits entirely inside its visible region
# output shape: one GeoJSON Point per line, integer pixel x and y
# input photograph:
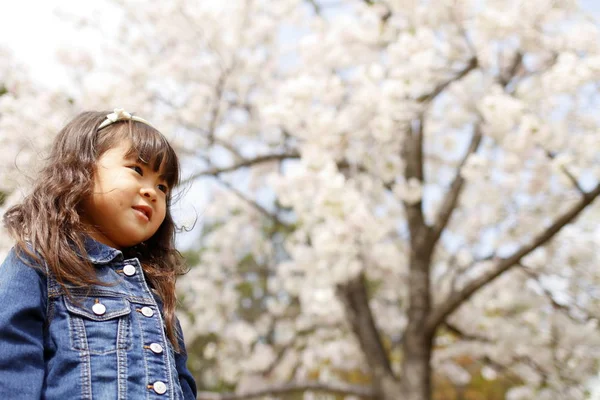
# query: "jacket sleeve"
{"type": "Point", "coordinates": [23, 300]}
{"type": "Point", "coordinates": [188, 384]}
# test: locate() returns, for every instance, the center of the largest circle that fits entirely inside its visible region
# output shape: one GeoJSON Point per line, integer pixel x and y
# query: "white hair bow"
{"type": "Point", "coordinates": [120, 114]}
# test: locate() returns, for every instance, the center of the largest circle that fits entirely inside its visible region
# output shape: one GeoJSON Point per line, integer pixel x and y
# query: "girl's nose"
{"type": "Point", "coordinates": [149, 192]}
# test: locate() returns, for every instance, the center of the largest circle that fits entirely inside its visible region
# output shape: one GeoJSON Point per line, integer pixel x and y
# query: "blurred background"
{"type": "Point", "coordinates": [381, 199]}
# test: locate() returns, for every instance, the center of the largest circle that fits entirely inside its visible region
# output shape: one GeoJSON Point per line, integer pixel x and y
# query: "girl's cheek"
{"type": "Point", "coordinates": [163, 216]}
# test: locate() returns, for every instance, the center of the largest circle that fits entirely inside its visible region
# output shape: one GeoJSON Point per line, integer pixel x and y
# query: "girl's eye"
{"type": "Point", "coordinates": [163, 188]}
{"type": "Point", "coordinates": [138, 169]}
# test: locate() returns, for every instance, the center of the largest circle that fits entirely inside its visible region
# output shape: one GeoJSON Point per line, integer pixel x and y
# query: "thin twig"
{"type": "Point", "coordinates": [504, 264]}
{"type": "Point", "coordinates": [252, 203]}
{"type": "Point", "coordinates": [244, 163]}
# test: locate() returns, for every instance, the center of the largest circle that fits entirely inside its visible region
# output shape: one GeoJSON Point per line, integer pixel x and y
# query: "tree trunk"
{"type": "Point", "coordinates": [356, 303]}
{"type": "Point", "coordinates": [416, 371]}
{"type": "Point", "coordinates": [389, 389]}
{"type": "Point", "coordinates": [418, 340]}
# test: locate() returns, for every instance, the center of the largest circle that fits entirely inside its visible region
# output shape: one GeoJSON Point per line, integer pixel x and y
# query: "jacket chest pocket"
{"type": "Point", "coordinates": [99, 325]}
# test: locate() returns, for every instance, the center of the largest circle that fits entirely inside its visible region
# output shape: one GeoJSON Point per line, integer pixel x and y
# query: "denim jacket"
{"type": "Point", "coordinates": [105, 342]}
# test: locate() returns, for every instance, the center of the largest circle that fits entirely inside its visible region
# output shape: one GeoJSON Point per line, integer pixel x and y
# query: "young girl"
{"type": "Point", "coordinates": [87, 295]}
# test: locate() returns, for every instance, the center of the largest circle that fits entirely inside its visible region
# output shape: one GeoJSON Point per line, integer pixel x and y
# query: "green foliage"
{"type": "Point", "coordinates": [199, 365]}
{"type": "Point", "coordinates": [251, 306]}
{"type": "Point", "coordinates": [192, 257]}
{"type": "Point", "coordinates": [479, 388]}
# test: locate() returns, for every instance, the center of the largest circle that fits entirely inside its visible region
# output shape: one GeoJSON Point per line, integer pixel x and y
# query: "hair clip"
{"type": "Point", "coordinates": [120, 114]}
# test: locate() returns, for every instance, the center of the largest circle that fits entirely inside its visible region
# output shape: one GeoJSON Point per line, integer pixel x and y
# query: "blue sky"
{"type": "Point", "coordinates": [592, 6]}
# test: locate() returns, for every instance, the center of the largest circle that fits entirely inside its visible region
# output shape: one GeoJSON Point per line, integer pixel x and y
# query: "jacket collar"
{"type": "Point", "coordinates": [99, 253]}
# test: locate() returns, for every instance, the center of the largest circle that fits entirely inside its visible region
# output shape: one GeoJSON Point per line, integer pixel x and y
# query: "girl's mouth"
{"type": "Point", "coordinates": [144, 210]}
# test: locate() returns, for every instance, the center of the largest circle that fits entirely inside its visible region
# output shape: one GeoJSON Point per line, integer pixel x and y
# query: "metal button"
{"type": "Point", "coordinates": [129, 270]}
{"type": "Point", "coordinates": [159, 387]}
{"type": "Point", "coordinates": [99, 309]}
{"type": "Point", "coordinates": [156, 348]}
{"type": "Point", "coordinates": [147, 311]}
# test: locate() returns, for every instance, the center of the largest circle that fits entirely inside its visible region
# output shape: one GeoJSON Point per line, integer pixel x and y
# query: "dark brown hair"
{"type": "Point", "coordinates": [47, 226]}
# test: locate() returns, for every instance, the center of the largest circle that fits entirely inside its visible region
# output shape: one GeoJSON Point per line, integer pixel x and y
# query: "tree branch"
{"type": "Point", "coordinates": [412, 153]}
{"type": "Point", "coordinates": [507, 372]}
{"type": "Point", "coordinates": [316, 7]}
{"type": "Point", "coordinates": [281, 352]}
{"type": "Point", "coordinates": [292, 154]}
{"type": "Point", "coordinates": [586, 316]}
{"type": "Point", "coordinates": [456, 187]}
{"type": "Point", "coordinates": [455, 330]}
{"type": "Point", "coordinates": [566, 171]}
{"type": "Point", "coordinates": [502, 265]}
{"type": "Point", "coordinates": [413, 156]}
{"type": "Point", "coordinates": [244, 163]}
{"type": "Point", "coordinates": [427, 98]}
{"type": "Point", "coordinates": [505, 79]}
{"type": "Point", "coordinates": [449, 204]}
{"type": "Point", "coordinates": [215, 112]}
{"type": "Point", "coordinates": [461, 271]}
{"type": "Point", "coordinates": [275, 390]}
{"type": "Point", "coordinates": [353, 295]}
{"type": "Point", "coordinates": [252, 203]}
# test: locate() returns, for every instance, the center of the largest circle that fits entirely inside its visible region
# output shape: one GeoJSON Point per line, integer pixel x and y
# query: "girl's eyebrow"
{"type": "Point", "coordinates": [162, 177]}
{"type": "Point", "coordinates": [134, 158]}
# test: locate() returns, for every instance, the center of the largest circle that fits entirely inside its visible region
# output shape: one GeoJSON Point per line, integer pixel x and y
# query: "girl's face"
{"type": "Point", "coordinates": [129, 201]}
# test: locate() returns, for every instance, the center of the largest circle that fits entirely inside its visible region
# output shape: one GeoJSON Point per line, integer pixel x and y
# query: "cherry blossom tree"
{"type": "Point", "coordinates": [30, 116]}
{"type": "Point", "coordinates": [395, 185]}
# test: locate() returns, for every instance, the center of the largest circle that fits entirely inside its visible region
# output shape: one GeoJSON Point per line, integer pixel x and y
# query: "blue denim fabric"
{"type": "Point", "coordinates": [53, 347]}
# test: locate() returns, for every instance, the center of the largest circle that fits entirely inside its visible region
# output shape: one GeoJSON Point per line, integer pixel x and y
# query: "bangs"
{"type": "Point", "coordinates": [151, 148]}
